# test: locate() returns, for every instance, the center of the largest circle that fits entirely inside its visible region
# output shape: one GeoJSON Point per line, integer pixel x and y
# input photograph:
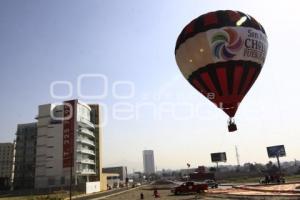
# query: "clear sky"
{"type": "Point", "coordinates": [46, 41]}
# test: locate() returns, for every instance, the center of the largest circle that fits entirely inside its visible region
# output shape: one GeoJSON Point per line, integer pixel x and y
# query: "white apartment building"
{"type": "Point", "coordinates": [72, 127]}
{"type": "Point", "coordinates": [148, 159]}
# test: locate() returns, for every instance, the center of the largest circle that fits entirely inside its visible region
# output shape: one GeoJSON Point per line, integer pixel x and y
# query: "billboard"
{"type": "Point", "coordinates": [274, 151]}
{"type": "Point", "coordinates": [68, 133]}
{"type": "Point", "coordinates": [218, 157]}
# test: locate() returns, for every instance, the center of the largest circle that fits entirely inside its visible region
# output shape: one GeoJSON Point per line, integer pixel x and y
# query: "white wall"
{"type": "Point", "coordinates": [91, 187]}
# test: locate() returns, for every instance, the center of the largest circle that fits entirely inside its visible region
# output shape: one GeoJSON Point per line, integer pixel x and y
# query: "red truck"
{"type": "Point", "coordinates": [190, 187]}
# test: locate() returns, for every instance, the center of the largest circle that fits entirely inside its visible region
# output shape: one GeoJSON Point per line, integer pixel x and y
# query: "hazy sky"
{"type": "Point", "coordinates": [133, 41]}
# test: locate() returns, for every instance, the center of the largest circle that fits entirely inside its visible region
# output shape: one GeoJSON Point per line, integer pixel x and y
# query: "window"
{"type": "Point", "coordinates": [62, 180]}
{"type": "Point", "coordinates": [84, 112]}
{"type": "Point", "coordinates": [51, 181]}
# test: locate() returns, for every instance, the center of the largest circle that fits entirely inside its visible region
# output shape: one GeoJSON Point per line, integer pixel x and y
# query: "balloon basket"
{"type": "Point", "coordinates": [231, 126]}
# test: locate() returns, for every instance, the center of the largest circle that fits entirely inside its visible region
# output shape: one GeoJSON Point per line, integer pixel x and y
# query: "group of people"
{"type": "Point", "coordinates": [272, 179]}
{"type": "Point", "coordinates": [155, 194]}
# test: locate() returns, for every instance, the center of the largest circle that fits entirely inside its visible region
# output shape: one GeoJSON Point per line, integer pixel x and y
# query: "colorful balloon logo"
{"type": "Point", "coordinates": [226, 43]}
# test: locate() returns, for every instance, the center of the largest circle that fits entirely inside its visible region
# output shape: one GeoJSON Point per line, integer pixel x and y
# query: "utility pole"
{"type": "Point", "coordinates": [71, 174]}
{"type": "Point", "coordinates": [237, 157]}
{"type": "Point", "coordinates": [278, 162]}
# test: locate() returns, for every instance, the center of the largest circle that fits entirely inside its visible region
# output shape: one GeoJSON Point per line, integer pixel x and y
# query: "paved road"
{"type": "Point", "coordinates": [223, 186]}
{"type": "Point", "coordinates": [104, 195]}
{"type": "Point", "coordinates": [134, 194]}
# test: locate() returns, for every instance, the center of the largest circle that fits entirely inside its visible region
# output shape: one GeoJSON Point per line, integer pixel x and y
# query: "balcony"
{"type": "Point", "coordinates": [86, 161]}
{"type": "Point", "coordinates": [86, 132]}
{"type": "Point", "coordinates": [86, 171]}
{"type": "Point", "coordinates": [86, 151]}
{"type": "Point", "coordinates": [86, 123]}
{"type": "Point", "coordinates": [86, 141]}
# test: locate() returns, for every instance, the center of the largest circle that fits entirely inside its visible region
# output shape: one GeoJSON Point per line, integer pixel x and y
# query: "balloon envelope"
{"type": "Point", "coordinates": [221, 54]}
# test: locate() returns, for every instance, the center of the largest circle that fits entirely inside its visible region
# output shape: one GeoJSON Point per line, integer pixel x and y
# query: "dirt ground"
{"type": "Point", "coordinates": [282, 192]}
{"type": "Point", "coordinates": [285, 187]}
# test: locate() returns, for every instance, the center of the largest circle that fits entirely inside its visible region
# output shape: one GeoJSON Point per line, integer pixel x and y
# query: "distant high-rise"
{"type": "Point", "coordinates": [148, 158]}
{"type": "Point", "coordinates": [6, 165]}
{"type": "Point", "coordinates": [26, 137]}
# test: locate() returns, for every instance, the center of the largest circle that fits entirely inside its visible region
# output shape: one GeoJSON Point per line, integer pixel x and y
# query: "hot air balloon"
{"type": "Point", "coordinates": [221, 54]}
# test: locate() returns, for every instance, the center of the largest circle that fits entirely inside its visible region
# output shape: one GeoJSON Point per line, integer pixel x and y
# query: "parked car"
{"type": "Point", "coordinates": [211, 183]}
{"type": "Point", "coordinates": [190, 187]}
{"type": "Point", "coordinates": [137, 184]}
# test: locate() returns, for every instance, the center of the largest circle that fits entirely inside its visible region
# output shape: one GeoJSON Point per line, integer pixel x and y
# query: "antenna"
{"type": "Point", "coordinates": [237, 156]}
